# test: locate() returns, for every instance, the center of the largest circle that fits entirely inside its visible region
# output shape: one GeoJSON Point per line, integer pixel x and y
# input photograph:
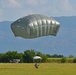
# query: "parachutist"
{"type": "Point", "coordinates": [36, 65]}
{"type": "Point", "coordinates": [37, 59]}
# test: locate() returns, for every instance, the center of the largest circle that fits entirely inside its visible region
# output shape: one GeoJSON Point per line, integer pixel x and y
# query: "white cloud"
{"type": "Point", "coordinates": [26, 12]}
{"type": "Point", "coordinates": [9, 4]}
{"type": "Point", "coordinates": [47, 7]}
{"type": "Point", "coordinates": [1, 12]}
{"type": "Point", "coordinates": [36, 2]}
{"type": "Point", "coordinates": [65, 6]}
{"type": "Point", "coordinates": [14, 3]}
{"type": "Point", "coordinates": [32, 2]}
{"type": "Point", "coordinates": [59, 8]}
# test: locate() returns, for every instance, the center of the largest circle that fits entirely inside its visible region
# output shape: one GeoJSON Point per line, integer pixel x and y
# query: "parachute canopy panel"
{"type": "Point", "coordinates": [37, 57]}
{"type": "Point", "coordinates": [35, 25]}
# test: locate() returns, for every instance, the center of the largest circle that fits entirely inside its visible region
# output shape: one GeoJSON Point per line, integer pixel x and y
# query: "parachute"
{"type": "Point", "coordinates": [37, 57]}
{"type": "Point", "coordinates": [34, 26]}
{"type": "Point", "coordinates": [37, 60]}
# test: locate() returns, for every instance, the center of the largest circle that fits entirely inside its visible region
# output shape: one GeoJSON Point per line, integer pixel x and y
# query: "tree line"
{"type": "Point", "coordinates": [26, 56]}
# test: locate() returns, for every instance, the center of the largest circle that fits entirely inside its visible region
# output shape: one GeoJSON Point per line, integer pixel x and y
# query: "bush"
{"type": "Point", "coordinates": [63, 60]}
{"type": "Point", "coordinates": [74, 60]}
{"type": "Point", "coordinates": [54, 60]}
{"type": "Point", "coordinates": [70, 60]}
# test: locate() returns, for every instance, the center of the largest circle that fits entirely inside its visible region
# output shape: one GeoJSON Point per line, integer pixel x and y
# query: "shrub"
{"type": "Point", "coordinates": [54, 60]}
{"type": "Point", "coordinates": [74, 60]}
{"type": "Point", "coordinates": [70, 60]}
{"type": "Point", "coordinates": [63, 60]}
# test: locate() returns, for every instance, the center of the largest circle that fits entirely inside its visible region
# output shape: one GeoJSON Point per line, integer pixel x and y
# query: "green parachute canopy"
{"type": "Point", "coordinates": [35, 25]}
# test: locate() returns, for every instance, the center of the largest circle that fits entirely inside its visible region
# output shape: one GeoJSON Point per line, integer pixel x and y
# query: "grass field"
{"type": "Point", "coordinates": [44, 69]}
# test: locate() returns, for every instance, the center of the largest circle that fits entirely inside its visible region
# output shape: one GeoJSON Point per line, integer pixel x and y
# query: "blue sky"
{"type": "Point", "coordinates": [14, 9]}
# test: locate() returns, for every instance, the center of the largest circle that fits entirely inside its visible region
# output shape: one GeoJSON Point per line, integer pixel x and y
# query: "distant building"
{"type": "Point", "coordinates": [15, 61]}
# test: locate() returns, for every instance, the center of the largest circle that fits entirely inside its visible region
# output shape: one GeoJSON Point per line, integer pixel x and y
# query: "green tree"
{"type": "Point", "coordinates": [28, 56]}
{"type": "Point", "coordinates": [48, 55]}
{"type": "Point", "coordinates": [20, 56]}
{"type": "Point", "coordinates": [14, 55]}
{"type": "Point", "coordinates": [44, 58]}
{"type": "Point", "coordinates": [71, 56]}
{"type": "Point", "coordinates": [3, 58]}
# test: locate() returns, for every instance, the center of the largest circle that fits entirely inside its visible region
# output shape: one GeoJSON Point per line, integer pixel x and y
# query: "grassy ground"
{"type": "Point", "coordinates": [44, 69]}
